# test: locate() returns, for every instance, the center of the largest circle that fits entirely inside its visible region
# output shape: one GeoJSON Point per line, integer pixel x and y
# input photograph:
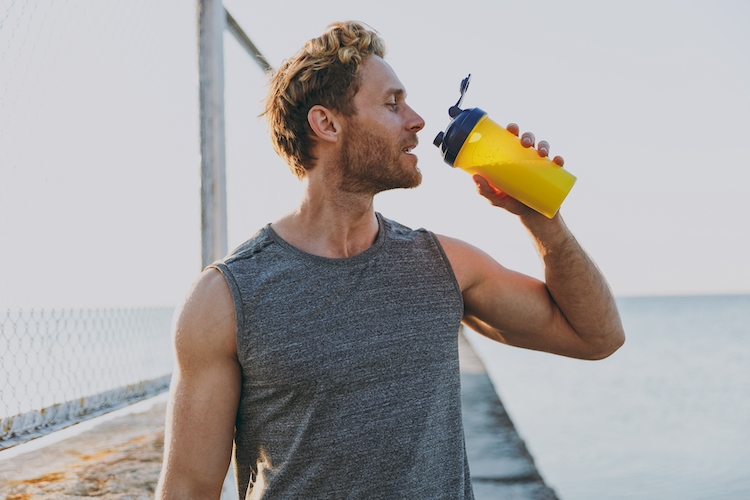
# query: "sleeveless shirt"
{"type": "Point", "coordinates": [350, 376]}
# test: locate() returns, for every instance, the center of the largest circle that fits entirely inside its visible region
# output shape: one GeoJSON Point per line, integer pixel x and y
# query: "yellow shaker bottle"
{"type": "Point", "coordinates": [478, 145]}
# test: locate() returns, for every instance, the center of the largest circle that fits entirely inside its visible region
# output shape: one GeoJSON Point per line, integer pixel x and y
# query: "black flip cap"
{"type": "Point", "coordinates": [451, 141]}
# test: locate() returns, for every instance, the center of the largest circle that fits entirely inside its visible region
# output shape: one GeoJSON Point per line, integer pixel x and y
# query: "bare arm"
{"type": "Point", "coordinates": [204, 394]}
{"type": "Point", "coordinates": [571, 313]}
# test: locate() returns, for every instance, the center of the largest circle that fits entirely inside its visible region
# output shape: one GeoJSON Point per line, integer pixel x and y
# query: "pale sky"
{"type": "Point", "coordinates": [647, 102]}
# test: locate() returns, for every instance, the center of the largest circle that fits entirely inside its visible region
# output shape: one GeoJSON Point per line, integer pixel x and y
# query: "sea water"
{"type": "Point", "coordinates": [665, 417]}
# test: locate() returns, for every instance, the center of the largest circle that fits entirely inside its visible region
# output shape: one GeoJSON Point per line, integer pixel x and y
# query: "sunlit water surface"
{"type": "Point", "coordinates": [665, 417]}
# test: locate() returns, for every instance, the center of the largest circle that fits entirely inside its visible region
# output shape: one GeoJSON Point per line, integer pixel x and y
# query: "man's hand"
{"type": "Point", "coordinates": [501, 199]}
{"type": "Point", "coordinates": [571, 313]}
{"type": "Point", "coordinates": [528, 139]}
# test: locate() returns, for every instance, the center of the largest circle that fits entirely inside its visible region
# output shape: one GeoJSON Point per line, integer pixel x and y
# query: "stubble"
{"type": "Point", "coordinates": [371, 164]}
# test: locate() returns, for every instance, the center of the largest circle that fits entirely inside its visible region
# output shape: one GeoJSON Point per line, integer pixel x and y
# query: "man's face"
{"type": "Point", "coordinates": [378, 139]}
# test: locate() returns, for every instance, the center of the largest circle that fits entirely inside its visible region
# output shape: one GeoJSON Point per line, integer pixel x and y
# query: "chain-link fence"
{"type": "Point", "coordinates": [99, 177]}
{"type": "Point", "coordinates": [98, 182]}
{"type": "Point", "coordinates": [60, 366]}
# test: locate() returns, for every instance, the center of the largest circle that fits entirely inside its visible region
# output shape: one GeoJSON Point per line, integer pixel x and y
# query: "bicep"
{"type": "Point", "coordinates": [511, 307]}
{"type": "Point", "coordinates": [205, 391]}
{"type": "Point", "coordinates": [508, 306]}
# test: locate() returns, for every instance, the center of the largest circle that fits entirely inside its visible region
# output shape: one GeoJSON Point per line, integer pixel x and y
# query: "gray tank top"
{"type": "Point", "coordinates": [350, 377]}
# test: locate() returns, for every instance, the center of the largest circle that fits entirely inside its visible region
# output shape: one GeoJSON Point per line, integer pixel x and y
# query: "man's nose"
{"type": "Point", "coordinates": [416, 123]}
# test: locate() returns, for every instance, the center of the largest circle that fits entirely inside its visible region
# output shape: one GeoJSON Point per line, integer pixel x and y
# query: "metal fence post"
{"type": "Point", "coordinates": [211, 24]}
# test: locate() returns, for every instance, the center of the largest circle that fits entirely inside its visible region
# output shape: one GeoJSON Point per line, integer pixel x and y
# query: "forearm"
{"type": "Point", "coordinates": [577, 287]}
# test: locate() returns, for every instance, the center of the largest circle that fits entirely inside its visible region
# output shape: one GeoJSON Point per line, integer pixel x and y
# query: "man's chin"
{"type": "Point", "coordinates": [406, 183]}
{"type": "Point", "coordinates": [417, 180]}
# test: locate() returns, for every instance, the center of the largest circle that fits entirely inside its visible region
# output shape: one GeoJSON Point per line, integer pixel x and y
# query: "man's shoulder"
{"type": "Point", "coordinates": [398, 230]}
{"type": "Point", "coordinates": [251, 247]}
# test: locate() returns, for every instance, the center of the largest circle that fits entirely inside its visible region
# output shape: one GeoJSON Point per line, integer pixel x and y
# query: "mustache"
{"type": "Point", "coordinates": [412, 140]}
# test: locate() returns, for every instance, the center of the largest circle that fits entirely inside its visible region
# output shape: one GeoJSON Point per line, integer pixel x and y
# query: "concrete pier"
{"type": "Point", "coordinates": [120, 458]}
{"type": "Point", "coordinates": [501, 466]}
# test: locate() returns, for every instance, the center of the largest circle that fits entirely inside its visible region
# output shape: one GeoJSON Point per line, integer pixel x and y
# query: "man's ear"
{"type": "Point", "coordinates": [324, 123]}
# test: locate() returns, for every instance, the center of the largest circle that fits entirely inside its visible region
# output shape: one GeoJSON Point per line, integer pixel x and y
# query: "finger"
{"type": "Point", "coordinates": [543, 148]}
{"type": "Point", "coordinates": [559, 160]}
{"type": "Point", "coordinates": [513, 129]}
{"type": "Point", "coordinates": [485, 188]}
{"type": "Point", "coordinates": [499, 198]}
{"type": "Point", "coordinates": [527, 139]}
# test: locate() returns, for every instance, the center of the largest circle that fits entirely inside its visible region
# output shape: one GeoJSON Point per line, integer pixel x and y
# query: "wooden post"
{"type": "Point", "coordinates": [211, 24]}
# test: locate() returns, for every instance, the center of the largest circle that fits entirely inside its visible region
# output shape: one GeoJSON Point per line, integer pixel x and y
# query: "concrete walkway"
{"type": "Point", "coordinates": [116, 459]}
{"type": "Point", "coordinates": [120, 458]}
{"type": "Point", "coordinates": [501, 466]}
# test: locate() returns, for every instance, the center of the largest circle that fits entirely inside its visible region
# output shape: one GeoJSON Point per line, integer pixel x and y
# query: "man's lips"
{"type": "Point", "coordinates": [410, 146]}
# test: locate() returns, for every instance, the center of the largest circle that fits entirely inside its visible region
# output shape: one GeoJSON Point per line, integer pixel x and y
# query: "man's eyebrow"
{"type": "Point", "coordinates": [396, 92]}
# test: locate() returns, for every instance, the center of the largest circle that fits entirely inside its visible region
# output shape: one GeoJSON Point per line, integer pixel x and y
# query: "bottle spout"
{"type": "Point", "coordinates": [456, 110]}
{"type": "Point", "coordinates": [462, 122]}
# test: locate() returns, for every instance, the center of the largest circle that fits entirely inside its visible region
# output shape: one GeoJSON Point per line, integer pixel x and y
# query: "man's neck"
{"type": "Point", "coordinates": [329, 222]}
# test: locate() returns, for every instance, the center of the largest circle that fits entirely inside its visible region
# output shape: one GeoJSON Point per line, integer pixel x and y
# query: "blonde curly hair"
{"type": "Point", "coordinates": [324, 72]}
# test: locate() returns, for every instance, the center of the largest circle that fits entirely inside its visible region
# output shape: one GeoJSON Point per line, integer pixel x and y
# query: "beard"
{"type": "Point", "coordinates": [371, 164]}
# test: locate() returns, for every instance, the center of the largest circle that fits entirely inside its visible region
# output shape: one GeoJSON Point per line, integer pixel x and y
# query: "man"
{"type": "Point", "coordinates": [325, 347]}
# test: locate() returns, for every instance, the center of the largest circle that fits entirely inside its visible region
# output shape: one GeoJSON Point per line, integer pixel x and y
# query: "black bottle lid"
{"type": "Point", "coordinates": [461, 125]}
{"type": "Point", "coordinates": [451, 141]}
